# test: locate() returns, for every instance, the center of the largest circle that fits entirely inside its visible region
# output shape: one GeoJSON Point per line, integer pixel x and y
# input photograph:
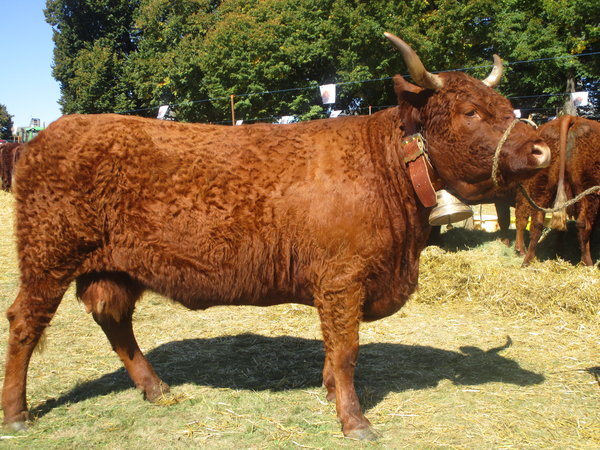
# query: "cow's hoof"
{"type": "Point", "coordinates": [363, 434]}
{"type": "Point", "coordinates": [159, 394]}
{"type": "Point", "coordinates": [16, 426]}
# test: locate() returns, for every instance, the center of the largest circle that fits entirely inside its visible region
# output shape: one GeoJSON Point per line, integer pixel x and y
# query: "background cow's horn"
{"type": "Point", "coordinates": [416, 68]}
{"type": "Point", "coordinates": [493, 78]}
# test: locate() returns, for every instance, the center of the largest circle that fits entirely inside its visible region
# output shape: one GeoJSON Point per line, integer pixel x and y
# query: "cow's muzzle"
{"type": "Point", "coordinates": [540, 151]}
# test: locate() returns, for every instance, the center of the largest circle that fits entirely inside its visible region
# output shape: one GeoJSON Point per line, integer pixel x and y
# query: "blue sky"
{"type": "Point", "coordinates": [27, 88]}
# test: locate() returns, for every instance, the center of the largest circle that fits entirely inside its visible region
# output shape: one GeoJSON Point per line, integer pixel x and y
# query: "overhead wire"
{"type": "Point", "coordinates": [342, 83]}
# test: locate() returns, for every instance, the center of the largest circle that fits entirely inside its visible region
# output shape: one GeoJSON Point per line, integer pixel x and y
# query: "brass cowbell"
{"type": "Point", "coordinates": [448, 210]}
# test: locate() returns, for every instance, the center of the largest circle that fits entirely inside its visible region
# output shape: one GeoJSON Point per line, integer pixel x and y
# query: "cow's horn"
{"type": "Point", "coordinates": [493, 78]}
{"type": "Point", "coordinates": [416, 68]}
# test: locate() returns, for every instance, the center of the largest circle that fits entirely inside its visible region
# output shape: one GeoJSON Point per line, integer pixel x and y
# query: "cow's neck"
{"type": "Point", "coordinates": [408, 218]}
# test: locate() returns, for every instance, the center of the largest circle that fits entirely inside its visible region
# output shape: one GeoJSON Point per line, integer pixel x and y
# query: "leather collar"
{"type": "Point", "coordinates": [419, 169]}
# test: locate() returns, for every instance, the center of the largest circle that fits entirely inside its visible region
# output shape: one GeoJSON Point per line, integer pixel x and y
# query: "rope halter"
{"type": "Point", "coordinates": [501, 144]}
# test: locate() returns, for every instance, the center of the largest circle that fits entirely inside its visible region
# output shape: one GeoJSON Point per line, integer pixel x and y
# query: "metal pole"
{"type": "Point", "coordinates": [232, 111]}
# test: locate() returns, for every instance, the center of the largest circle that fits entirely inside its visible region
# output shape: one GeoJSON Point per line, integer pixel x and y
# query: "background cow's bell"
{"type": "Point", "coordinates": [448, 210]}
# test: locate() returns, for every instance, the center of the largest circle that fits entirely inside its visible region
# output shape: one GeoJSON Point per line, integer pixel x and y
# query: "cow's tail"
{"type": "Point", "coordinates": [559, 218]}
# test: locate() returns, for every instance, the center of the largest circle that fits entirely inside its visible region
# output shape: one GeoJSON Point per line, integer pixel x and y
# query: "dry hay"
{"type": "Point", "coordinates": [490, 275]}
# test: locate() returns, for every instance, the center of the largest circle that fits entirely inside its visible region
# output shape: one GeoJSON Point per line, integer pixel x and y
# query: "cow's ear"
{"type": "Point", "coordinates": [409, 93]}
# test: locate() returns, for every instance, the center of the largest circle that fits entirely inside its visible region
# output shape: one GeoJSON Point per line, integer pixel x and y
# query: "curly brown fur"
{"type": "Point", "coordinates": [321, 213]}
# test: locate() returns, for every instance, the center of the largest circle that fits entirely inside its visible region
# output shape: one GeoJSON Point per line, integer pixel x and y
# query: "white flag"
{"type": "Point", "coordinates": [328, 93]}
{"type": "Point", "coordinates": [162, 111]}
{"type": "Point", "coordinates": [287, 119]}
{"type": "Point", "coordinates": [579, 98]}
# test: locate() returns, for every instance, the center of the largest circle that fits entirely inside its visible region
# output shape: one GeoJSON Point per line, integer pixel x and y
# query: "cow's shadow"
{"type": "Point", "coordinates": [459, 239]}
{"type": "Point", "coordinates": [555, 244]}
{"type": "Point", "coordinates": [255, 362]}
{"type": "Point", "coordinates": [565, 244]}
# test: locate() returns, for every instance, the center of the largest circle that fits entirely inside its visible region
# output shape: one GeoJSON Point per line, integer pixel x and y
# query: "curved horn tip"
{"type": "Point", "coordinates": [395, 39]}
{"type": "Point", "coordinates": [493, 79]}
{"type": "Point", "coordinates": [417, 70]}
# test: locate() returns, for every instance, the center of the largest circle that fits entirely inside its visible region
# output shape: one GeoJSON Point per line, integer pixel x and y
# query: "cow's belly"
{"type": "Point", "coordinates": [204, 273]}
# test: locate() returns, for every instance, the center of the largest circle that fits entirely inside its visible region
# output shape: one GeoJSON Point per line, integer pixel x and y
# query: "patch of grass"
{"type": "Point", "coordinates": [485, 355]}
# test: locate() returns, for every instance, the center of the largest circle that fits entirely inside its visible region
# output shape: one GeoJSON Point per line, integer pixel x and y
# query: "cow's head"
{"type": "Point", "coordinates": [463, 120]}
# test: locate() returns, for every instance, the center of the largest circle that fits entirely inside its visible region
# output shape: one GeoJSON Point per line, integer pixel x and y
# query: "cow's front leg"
{"type": "Point", "coordinates": [521, 219]}
{"type": "Point", "coordinates": [503, 212]}
{"type": "Point", "coordinates": [29, 315]}
{"type": "Point", "coordinates": [340, 313]}
{"type": "Point", "coordinates": [328, 378]}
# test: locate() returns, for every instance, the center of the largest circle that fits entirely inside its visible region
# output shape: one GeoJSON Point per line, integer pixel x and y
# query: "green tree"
{"type": "Point", "coordinates": [165, 68]}
{"type": "Point", "coordinates": [92, 40]}
{"type": "Point", "coordinates": [114, 55]}
{"type": "Point", "coordinates": [539, 39]}
{"type": "Point", "coordinates": [6, 123]}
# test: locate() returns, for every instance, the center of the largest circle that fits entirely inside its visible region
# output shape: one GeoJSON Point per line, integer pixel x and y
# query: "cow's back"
{"type": "Point", "coordinates": [221, 214]}
{"type": "Point", "coordinates": [583, 144]}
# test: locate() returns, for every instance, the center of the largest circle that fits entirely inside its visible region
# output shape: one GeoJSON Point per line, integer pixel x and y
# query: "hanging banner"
{"type": "Point", "coordinates": [162, 112]}
{"type": "Point", "coordinates": [579, 98]}
{"type": "Point", "coordinates": [327, 93]}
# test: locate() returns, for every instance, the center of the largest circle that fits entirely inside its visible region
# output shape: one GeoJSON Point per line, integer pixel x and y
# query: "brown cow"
{"type": "Point", "coordinates": [575, 143]}
{"type": "Point", "coordinates": [320, 213]}
{"type": "Point", "coordinates": [9, 154]}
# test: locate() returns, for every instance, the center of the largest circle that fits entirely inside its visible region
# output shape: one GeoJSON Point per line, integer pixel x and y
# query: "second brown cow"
{"type": "Point", "coordinates": [575, 145]}
{"type": "Point", "coordinates": [9, 154]}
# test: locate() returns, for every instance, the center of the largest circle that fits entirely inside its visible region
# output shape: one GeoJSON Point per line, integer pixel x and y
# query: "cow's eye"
{"type": "Point", "coordinates": [471, 113]}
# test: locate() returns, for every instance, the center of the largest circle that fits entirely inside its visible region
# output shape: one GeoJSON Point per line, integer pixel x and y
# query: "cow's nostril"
{"type": "Point", "coordinates": [542, 154]}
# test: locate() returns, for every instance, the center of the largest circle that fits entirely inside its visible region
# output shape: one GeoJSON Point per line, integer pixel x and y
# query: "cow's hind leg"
{"type": "Point", "coordinates": [340, 313]}
{"type": "Point", "coordinates": [585, 224]}
{"type": "Point", "coordinates": [29, 315]}
{"type": "Point", "coordinates": [111, 297]}
{"type": "Point", "coordinates": [535, 232]}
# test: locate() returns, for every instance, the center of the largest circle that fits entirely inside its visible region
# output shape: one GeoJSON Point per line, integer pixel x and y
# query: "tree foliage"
{"type": "Point", "coordinates": [92, 38]}
{"type": "Point", "coordinates": [6, 123]}
{"type": "Point", "coordinates": [118, 55]}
